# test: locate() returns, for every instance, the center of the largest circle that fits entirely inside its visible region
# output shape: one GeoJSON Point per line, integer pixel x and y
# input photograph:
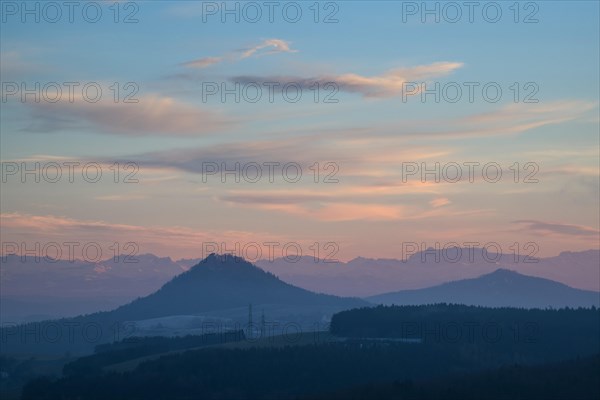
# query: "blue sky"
{"type": "Point", "coordinates": [369, 133]}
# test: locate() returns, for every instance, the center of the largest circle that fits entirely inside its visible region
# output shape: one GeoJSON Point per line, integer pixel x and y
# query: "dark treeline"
{"type": "Point", "coordinates": [216, 373]}
{"type": "Point", "coordinates": [574, 380]}
{"type": "Point", "coordinates": [135, 347]}
{"type": "Point", "coordinates": [538, 334]}
{"type": "Point", "coordinates": [78, 335]}
{"type": "Point", "coordinates": [172, 343]}
{"type": "Point", "coordinates": [292, 372]}
{"type": "Point", "coordinates": [16, 372]}
{"type": "Point", "coordinates": [363, 357]}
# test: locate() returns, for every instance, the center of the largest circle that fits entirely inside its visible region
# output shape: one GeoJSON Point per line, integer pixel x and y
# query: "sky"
{"type": "Point", "coordinates": [378, 124]}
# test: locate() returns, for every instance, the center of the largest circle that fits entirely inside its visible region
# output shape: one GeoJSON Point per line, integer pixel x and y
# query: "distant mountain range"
{"type": "Point", "coordinates": [33, 289]}
{"type": "Point", "coordinates": [42, 289]}
{"type": "Point", "coordinates": [46, 277]}
{"type": "Point", "coordinates": [365, 277]}
{"type": "Point", "coordinates": [221, 288]}
{"type": "Point", "coordinates": [501, 288]}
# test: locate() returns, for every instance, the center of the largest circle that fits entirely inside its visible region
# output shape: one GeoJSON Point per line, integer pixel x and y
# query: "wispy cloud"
{"type": "Point", "coordinates": [151, 115]}
{"type": "Point", "coordinates": [334, 211]}
{"type": "Point", "coordinates": [168, 239]}
{"type": "Point", "coordinates": [269, 46]}
{"type": "Point", "coordinates": [266, 47]}
{"type": "Point", "coordinates": [520, 117]}
{"type": "Point", "coordinates": [119, 197]}
{"type": "Point", "coordinates": [541, 227]}
{"type": "Point", "coordinates": [174, 241]}
{"type": "Point", "coordinates": [439, 202]}
{"type": "Point", "coordinates": [502, 120]}
{"type": "Point", "coordinates": [14, 66]}
{"type": "Point", "coordinates": [203, 62]}
{"type": "Point", "coordinates": [349, 203]}
{"type": "Point", "coordinates": [388, 84]}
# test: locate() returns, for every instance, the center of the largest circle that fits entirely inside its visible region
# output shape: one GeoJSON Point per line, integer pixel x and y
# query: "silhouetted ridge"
{"type": "Point", "coordinates": [220, 282]}
{"type": "Point", "coordinates": [501, 288]}
{"type": "Point", "coordinates": [221, 267]}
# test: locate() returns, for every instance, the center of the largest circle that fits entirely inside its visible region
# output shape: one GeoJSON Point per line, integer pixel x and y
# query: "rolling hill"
{"type": "Point", "coordinates": [501, 288]}
{"type": "Point", "coordinates": [218, 288]}
{"type": "Point", "coordinates": [221, 282]}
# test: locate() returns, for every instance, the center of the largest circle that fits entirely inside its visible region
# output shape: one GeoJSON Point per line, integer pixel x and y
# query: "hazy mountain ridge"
{"type": "Point", "coordinates": [501, 288]}
{"type": "Point", "coordinates": [365, 277]}
{"type": "Point", "coordinates": [28, 276]}
{"type": "Point", "coordinates": [52, 288]}
{"type": "Point", "coordinates": [42, 289]}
